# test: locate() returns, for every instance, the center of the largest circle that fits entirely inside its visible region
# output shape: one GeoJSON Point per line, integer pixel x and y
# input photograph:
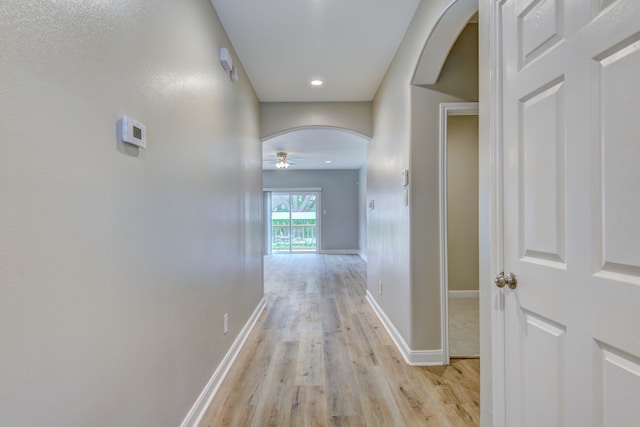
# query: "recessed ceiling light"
{"type": "Point", "coordinates": [327, 161]}
{"type": "Point", "coordinates": [316, 82]}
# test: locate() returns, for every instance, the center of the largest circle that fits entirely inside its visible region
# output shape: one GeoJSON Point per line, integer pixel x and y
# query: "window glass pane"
{"type": "Point", "coordinates": [294, 222]}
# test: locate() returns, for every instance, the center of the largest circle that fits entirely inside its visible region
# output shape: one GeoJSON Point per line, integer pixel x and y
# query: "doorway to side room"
{"type": "Point", "coordinates": [459, 229]}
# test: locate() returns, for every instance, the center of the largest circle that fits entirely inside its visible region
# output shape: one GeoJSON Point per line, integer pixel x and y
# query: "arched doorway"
{"type": "Point", "coordinates": [326, 180]}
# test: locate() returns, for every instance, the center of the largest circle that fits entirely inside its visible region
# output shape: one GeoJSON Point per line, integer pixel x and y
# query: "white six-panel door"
{"type": "Point", "coordinates": [571, 135]}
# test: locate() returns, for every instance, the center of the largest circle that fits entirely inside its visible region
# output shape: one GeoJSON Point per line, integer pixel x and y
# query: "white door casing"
{"type": "Point", "coordinates": [447, 109]}
{"type": "Point", "coordinates": [571, 138]}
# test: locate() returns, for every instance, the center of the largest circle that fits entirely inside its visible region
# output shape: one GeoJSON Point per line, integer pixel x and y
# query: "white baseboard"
{"type": "Point", "coordinates": [340, 252]}
{"type": "Point", "coordinates": [412, 357]}
{"type": "Point", "coordinates": [464, 294]}
{"type": "Point", "coordinates": [362, 255]}
{"type": "Point", "coordinates": [201, 405]}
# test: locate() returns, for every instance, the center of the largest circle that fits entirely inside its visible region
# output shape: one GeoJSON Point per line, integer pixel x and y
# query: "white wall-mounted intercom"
{"type": "Point", "coordinates": [133, 132]}
{"type": "Point", "coordinates": [225, 59]}
{"type": "Point", "coordinates": [405, 177]}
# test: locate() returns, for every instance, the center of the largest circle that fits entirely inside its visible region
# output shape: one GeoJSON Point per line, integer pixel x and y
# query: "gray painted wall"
{"type": "Point", "coordinates": [403, 241]}
{"type": "Point", "coordinates": [339, 199]}
{"type": "Point", "coordinates": [117, 264]}
{"type": "Point", "coordinates": [462, 202]}
{"type": "Point", "coordinates": [459, 76]}
{"type": "Point", "coordinates": [278, 117]}
{"type": "Point", "coordinates": [388, 225]}
{"type": "Point", "coordinates": [362, 211]}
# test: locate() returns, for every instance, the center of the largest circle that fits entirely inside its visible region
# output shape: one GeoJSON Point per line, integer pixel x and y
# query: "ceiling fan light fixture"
{"type": "Point", "coordinates": [281, 162]}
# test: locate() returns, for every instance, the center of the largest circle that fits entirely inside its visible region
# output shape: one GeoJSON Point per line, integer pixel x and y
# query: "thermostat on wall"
{"type": "Point", "coordinates": [133, 132]}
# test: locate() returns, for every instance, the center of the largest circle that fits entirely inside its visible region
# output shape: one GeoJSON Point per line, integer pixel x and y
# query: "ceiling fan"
{"type": "Point", "coordinates": [283, 161]}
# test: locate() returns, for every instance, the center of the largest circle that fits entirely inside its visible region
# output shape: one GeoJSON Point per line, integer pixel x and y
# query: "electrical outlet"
{"type": "Point", "coordinates": [226, 323]}
{"type": "Point", "coordinates": [380, 287]}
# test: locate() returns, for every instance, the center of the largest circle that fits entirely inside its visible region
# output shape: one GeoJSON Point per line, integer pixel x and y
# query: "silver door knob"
{"type": "Point", "coordinates": [499, 281]}
{"type": "Point", "coordinates": [508, 279]}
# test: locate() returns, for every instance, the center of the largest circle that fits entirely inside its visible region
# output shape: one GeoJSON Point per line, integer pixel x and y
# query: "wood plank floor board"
{"type": "Point", "coordinates": [310, 363]}
{"type": "Point", "coordinates": [346, 421]}
{"type": "Point", "coordinates": [318, 356]}
{"type": "Point", "coordinates": [342, 391]}
{"type": "Point", "coordinates": [309, 407]}
{"type": "Point", "coordinates": [358, 344]}
{"type": "Point", "coordinates": [377, 401]}
{"type": "Point", "coordinates": [275, 408]}
{"type": "Point", "coordinates": [406, 389]}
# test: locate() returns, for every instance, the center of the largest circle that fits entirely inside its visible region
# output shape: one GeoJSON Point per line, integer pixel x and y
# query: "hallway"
{"type": "Point", "coordinates": [319, 356]}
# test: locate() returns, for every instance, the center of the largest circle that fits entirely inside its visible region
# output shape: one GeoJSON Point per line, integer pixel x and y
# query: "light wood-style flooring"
{"type": "Point", "coordinates": [318, 356]}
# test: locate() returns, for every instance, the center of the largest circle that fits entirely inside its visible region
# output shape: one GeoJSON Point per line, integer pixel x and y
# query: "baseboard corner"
{"type": "Point", "coordinates": [197, 411]}
{"type": "Point", "coordinates": [411, 357]}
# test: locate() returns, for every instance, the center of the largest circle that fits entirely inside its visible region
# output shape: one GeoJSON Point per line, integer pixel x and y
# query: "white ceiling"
{"type": "Point", "coordinates": [284, 44]}
{"type": "Point", "coordinates": [316, 146]}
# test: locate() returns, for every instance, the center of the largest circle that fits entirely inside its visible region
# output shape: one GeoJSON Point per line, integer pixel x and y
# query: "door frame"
{"type": "Point", "coordinates": [447, 109]}
{"type": "Point", "coordinates": [490, 212]}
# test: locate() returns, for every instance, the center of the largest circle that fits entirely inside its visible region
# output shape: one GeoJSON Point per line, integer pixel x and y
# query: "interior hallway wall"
{"type": "Point", "coordinates": [462, 202]}
{"type": "Point", "coordinates": [339, 202]}
{"type": "Point", "coordinates": [117, 263]}
{"type": "Point", "coordinates": [403, 241]}
{"type": "Point", "coordinates": [278, 117]}
{"type": "Point", "coordinates": [459, 75]}
{"type": "Point", "coordinates": [362, 211]}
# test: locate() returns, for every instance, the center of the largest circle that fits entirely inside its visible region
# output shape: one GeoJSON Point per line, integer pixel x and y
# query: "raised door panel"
{"type": "Point", "coordinates": [620, 378]}
{"type": "Point", "coordinates": [545, 366]}
{"type": "Point", "coordinates": [619, 92]}
{"type": "Point", "coordinates": [540, 25]}
{"type": "Point", "coordinates": [542, 175]}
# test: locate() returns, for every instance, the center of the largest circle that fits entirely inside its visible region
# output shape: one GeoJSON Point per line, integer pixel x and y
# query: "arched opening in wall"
{"type": "Point", "coordinates": [314, 181]}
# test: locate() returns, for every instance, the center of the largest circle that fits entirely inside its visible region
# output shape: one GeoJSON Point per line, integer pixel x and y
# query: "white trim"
{"type": "Point", "coordinates": [412, 357]}
{"type": "Point", "coordinates": [201, 405]}
{"type": "Point", "coordinates": [447, 109]}
{"type": "Point", "coordinates": [319, 221]}
{"type": "Point", "coordinates": [294, 190]}
{"type": "Point", "coordinates": [491, 205]}
{"type": "Point", "coordinates": [340, 251]}
{"type": "Point", "coordinates": [362, 255]}
{"type": "Point", "coordinates": [305, 127]}
{"type": "Point", "coordinates": [496, 141]}
{"type": "Point", "coordinates": [442, 38]}
{"type": "Point", "coordinates": [317, 191]}
{"type": "Point", "coordinates": [464, 294]}
{"type": "Point", "coordinates": [266, 207]}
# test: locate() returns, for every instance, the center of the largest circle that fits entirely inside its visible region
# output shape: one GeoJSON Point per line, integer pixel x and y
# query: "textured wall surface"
{"type": "Point", "coordinates": [278, 117]}
{"type": "Point", "coordinates": [403, 241]}
{"type": "Point", "coordinates": [116, 263]}
{"type": "Point", "coordinates": [462, 202]}
{"type": "Point", "coordinates": [388, 225]}
{"type": "Point", "coordinates": [362, 210]}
